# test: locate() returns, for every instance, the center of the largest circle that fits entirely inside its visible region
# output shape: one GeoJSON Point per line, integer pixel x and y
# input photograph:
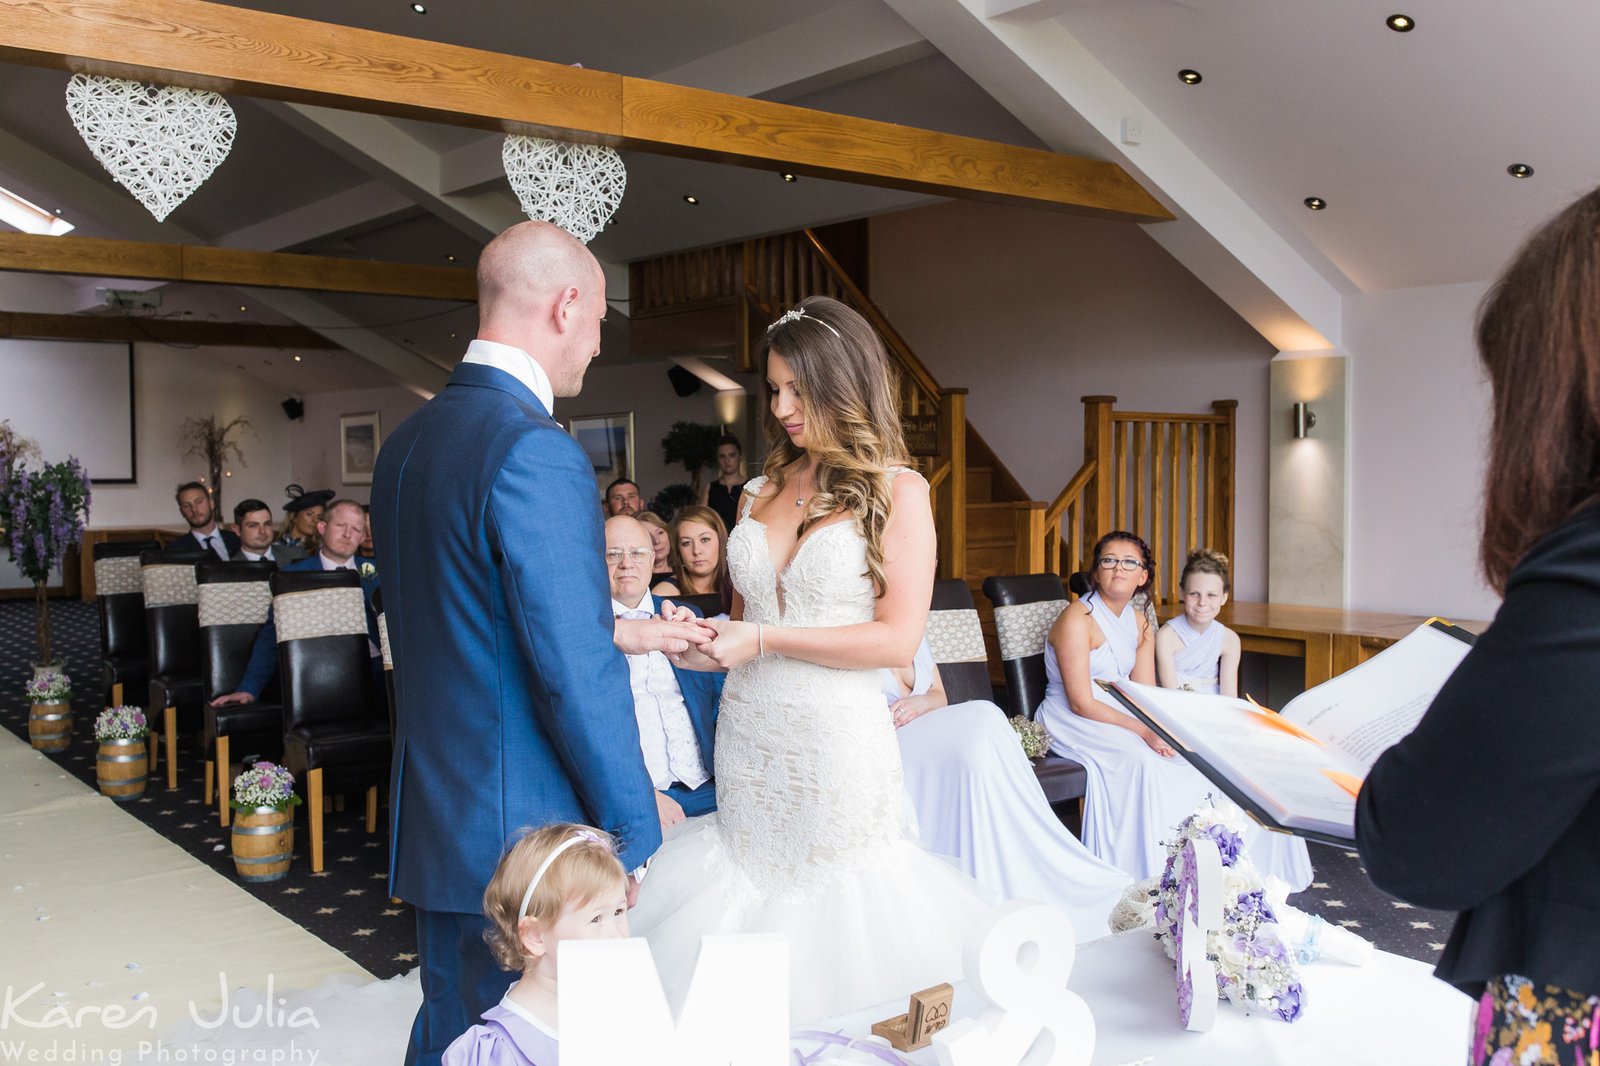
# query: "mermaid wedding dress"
{"type": "Point", "coordinates": [813, 837]}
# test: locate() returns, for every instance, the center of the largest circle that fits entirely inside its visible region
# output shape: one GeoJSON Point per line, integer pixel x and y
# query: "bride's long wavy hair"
{"type": "Point", "coordinates": [846, 383]}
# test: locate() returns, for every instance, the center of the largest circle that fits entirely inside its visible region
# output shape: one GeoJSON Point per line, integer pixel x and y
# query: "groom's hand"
{"type": "Point", "coordinates": [636, 636]}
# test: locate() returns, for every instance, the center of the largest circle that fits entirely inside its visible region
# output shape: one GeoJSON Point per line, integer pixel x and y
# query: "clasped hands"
{"type": "Point", "coordinates": [689, 640]}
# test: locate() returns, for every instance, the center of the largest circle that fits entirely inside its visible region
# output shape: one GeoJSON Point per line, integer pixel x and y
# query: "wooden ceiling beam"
{"type": "Point", "coordinates": [22, 325]}
{"type": "Point", "coordinates": [237, 50]}
{"type": "Point", "coordinates": [99, 258]}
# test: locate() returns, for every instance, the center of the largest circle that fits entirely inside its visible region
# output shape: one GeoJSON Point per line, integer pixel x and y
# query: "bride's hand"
{"type": "Point", "coordinates": [909, 708]}
{"type": "Point", "coordinates": [735, 644]}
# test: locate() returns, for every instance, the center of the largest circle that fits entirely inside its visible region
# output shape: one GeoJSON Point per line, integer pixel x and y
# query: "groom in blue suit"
{"type": "Point", "coordinates": [512, 697]}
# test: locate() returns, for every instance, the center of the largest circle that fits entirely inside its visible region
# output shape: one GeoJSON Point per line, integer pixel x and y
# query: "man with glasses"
{"type": "Point", "coordinates": [676, 709]}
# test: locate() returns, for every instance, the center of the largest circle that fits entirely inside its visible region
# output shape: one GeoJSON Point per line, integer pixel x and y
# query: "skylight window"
{"type": "Point", "coordinates": [30, 218]}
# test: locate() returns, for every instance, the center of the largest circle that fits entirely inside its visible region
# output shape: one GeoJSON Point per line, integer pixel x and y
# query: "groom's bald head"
{"type": "Point", "coordinates": [541, 290]}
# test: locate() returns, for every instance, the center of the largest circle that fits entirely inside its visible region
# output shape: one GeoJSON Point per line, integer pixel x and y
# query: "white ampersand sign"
{"type": "Point", "coordinates": [1199, 914]}
{"type": "Point", "coordinates": [1017, 958]}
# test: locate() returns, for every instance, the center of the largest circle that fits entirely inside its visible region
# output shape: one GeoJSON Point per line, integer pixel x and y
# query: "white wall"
{"type": "Point", "coordinates": [1032, 310]}
{"type": "Point", "coordinates": [314, 445]}
{"type": "Point", "coordinates": [1419, 419]}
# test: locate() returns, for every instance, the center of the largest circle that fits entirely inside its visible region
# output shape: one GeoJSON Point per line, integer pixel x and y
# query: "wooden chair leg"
{"type": "Point", "coordinates": [372, 809]}
{"type": "Point", "coordinates": [338, 803]}
{"type": "Point", "coordinates": [153, 742]}
{"type": "Point", "coordinates": [211, 773]}
{"type": "Point", "coordinates": [116, 694]}
{"type": "Point", "coordinates": [224, 783]}
{"type": "Point", "coordinates": [314, 803]}
{"type": "Point", "coordinates": [172, 748]}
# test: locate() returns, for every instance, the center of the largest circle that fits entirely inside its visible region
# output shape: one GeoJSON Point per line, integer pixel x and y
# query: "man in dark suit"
{"type": "Point", "coordinates": [340, 531]}
{"type": "Point", "coordinates": [513, 704]}
{"type": "Point", "coordinates": [676, 709]}
{"type": "Point", "coordinates": [253, 519]}
{"type": "Point", "coordinates": [194, 503]}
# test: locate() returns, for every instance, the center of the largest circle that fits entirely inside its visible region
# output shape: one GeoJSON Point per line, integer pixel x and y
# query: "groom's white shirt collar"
{"type": "Point", "coordinates": [516, 362]}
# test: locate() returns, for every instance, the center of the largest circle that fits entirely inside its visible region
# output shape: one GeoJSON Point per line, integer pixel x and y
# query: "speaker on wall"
{"type": "Point", "coordinates": [683, 382]}
{"type": "Point", "coordinates": [294, 409]}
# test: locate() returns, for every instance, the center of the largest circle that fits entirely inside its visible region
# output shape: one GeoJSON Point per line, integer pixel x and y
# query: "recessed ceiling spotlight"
{"type": "Point", "coordinates": [452, 336]}
{"type": "Point", "coordinates": [1400, 23]}
{"type": "Point", "coordinates": [449, 259]}
{"type": "Point", "coordinates": [1316, 203]}
{"type": "Point", "coordinates": [297, 358]}
{"type": "Point", "coordinates": [419, 9]}
{"type": "Point", "coordinates": [1189, 77]}
{"type": "Point", "coordinates": [242, 307]}
{"type": "Point", "coordinates": [692, 201]}
{"type": "Point", "coordinates": [790, 177]}
{"type": "Point", "coordinates": [1520, 170]}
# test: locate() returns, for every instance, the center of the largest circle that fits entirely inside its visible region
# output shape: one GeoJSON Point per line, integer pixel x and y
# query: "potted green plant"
{"type": "Point", "coordinates": [692, 445]}
{"type": "Point", "coordinates": [123, 762]}
{"type": "Point", "coordinates": [263, 830]}
{"type": "Point", "coordinates": [50, 720]}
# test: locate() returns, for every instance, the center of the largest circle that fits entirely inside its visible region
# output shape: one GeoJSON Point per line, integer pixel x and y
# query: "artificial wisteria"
{"type": "Point", "coordinates": [44, 512]}
{"type": "Point", "coordinates": [1255, 968]}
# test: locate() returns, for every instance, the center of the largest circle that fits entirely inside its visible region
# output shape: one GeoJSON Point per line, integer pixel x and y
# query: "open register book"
{"type": "Point", "coordinates": [1299, 771]}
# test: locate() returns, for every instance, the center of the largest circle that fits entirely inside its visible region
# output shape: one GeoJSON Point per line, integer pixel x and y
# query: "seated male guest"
{"type": "Point", "coordinates": [676, 709]}
{"type": "Point", "coordinates": [194, 503]}
{"type": "Point", "coordinates": [622, 497]}
{"type": "Point", "coordinates": [340, 531]}
{"type": "Point", "coordinates": [254, 521]}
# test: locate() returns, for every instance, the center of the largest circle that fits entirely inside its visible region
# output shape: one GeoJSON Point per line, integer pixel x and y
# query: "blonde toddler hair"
{"type": "Point", "coordinates": [579, 875]}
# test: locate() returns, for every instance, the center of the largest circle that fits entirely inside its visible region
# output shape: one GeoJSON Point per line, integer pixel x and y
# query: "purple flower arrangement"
{"type": "Point", "coordinates": [43, 513]}
{"type": "Point", "coordinates": [1255, 969]}
{"type": "Point", "coordinates": [121, 723]}
{"type": "Point", "coordinates": [49, 688]}
{"type": "Point", "coordinates": [264, 785]}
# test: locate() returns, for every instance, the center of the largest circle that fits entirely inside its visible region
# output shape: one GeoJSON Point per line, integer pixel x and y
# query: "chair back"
{"type": "Point", "coordinates": [388, 656]}
{"type": "Point", "coordinates": [324, 669]}
{"type": "Point", "coordinates": [956, 639]}
{"type": "Point", "coordinates": [171, 611]}
{"type": "Point", "coordinates": [119, 597]}
{"type": "Point", "coordinates": [233, 600]}
{"type": "Point", "coordinates": [1025, 607]}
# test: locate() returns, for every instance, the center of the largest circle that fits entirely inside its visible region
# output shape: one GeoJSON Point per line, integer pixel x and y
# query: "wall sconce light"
{"type": "Point", "coordinates": [1304, 419]}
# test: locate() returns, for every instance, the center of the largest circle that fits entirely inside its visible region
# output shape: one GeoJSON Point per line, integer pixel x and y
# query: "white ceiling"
{"type": "Point", "coordinates": [1406, 136]}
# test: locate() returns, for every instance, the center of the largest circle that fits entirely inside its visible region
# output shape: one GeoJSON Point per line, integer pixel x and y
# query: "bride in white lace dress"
{"type": "Point", "coordinates": [833, 562]}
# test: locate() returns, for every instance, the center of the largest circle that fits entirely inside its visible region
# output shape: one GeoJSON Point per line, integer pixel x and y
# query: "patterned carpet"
{"type": "Point", "coordinates": [348, 905]}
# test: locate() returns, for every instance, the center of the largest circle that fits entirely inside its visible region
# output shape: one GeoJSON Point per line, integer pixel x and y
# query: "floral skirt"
{"type": "Point", "coordinates": [1518, 1024]}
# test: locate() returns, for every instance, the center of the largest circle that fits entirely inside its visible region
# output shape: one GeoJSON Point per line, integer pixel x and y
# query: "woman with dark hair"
{"type": "Point", "coordinates": [698, 557]}
{"type": "Point", "coordinates": [832, 564]}
{"type": "Point", "coordinates": [1139, 788]}
{"type": "Point", "coordinates": [1491, 806]}
{"type": "Point", "coordinates": [722, 493]}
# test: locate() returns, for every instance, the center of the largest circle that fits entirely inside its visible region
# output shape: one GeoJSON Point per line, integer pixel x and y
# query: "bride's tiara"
{"type": "Point", "coordinates": [790, 316]}
{"type": "Point", "coordinates": [578, 836]}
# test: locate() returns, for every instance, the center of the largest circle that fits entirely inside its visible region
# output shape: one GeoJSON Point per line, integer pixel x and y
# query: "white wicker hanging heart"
{"type": "Point", "coordinates": [575, 186]}
{"type": "Point", "coordinates": [160, 142]}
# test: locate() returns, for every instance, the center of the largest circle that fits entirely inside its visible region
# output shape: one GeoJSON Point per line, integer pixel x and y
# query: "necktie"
{"type": "Point", "coordinates": [209, 546]}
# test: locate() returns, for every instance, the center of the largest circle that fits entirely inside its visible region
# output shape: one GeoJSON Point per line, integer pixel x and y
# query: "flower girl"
{"type": "Point", "coordinates": [1194, 651]}
{"type": "Point", "coordinates": [562, 882]}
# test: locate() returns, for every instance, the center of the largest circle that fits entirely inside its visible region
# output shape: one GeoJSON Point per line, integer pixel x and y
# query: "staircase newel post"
{"type": "Point", "coordinates": [1223, 468]}
{"type": "Point", "coordinates": [951, 520]}
{"type": "Point", "coordinates": [1097, 446]}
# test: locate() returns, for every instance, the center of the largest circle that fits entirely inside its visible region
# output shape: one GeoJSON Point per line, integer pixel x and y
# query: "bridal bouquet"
{"type": "Point", "coordinates": [1035, 741]}
{"type": "Point", "coordinates": [1255, 968]}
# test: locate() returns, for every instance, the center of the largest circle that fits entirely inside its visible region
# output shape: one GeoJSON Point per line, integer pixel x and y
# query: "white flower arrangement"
{"type": "Point", "coordinates": [49, 688]}
{"type": "Point", "coordinates": [1035, 741]}
{"type": "Point", "coordinates": [1256, 969]}
{"type": "Point", "coordinates": [121, 723]}
{"type": "Point", "coordinates": [264, 785]}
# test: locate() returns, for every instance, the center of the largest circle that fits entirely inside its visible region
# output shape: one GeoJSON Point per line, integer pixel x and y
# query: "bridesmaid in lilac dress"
{"type": "Point", "coordinates": [1194, 651]}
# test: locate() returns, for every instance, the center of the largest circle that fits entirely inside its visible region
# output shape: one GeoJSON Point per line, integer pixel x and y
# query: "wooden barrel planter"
{"type": "Point", "coordinates": [121, 769]}
{"type": "Point", "coordinates": [50, 727]}
{"type": "Point", "coordinates": [263, 843]}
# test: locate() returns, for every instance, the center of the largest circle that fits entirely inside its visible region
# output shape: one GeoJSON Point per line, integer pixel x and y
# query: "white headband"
{"type": "Point", "coordinates": [790, 316]}
{"type": "Point", "coordinates": [578, 837]}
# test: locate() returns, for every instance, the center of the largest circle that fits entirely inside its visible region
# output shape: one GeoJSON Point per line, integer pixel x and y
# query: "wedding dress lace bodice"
{"type": "Point", "coordinates": [808, 771]}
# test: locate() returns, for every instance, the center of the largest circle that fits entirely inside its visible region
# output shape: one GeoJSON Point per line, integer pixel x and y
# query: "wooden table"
{"type": "Point", "coordinates": [103, 534]}
{"type": "Point", "coordinates": [1330, 640]}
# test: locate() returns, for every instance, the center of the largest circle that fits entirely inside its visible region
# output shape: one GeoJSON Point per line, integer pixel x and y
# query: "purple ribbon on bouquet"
{"type": "Point", "coordinates": [840, 1040]}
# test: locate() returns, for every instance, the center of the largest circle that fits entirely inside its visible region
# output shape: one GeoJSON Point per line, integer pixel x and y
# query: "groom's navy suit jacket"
{"type": "Point", "coordinates": [513, 705]}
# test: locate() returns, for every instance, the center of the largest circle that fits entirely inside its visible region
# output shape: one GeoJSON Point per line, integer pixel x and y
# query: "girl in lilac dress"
{"type": "Point", "coordinates": [562, 882]}
{"type": "Point", "coordinates": [1194, 651]}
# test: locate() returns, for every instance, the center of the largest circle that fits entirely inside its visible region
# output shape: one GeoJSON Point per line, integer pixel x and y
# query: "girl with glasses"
{"type": "Point", "coordinates": [1138, 787]}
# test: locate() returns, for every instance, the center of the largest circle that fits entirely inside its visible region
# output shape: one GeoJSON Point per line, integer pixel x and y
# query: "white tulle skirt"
{"type": "Point", "coordinates": [876, 933]}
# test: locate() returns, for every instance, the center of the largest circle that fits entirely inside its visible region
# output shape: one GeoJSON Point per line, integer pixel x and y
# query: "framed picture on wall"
{"type": "Point", "coordinates": [608, 442]}
{"type": "Point", "coordinates": [359, 438]}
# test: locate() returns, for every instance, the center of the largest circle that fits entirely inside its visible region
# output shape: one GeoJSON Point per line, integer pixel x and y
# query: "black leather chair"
{"type": "Point", "coordinates": [388, 656]}
{"type": "Point", "coordinates": [176, 688]}
{"type": "Point", "coordinates": [119, 601]}
{"type": "Point", "coordinates": [233, 602]}
{"type": "Point", "coordinates": [1025, 607]}
{"type": "Point", "coordinates": [335, 738]}
{"type": "Point", "coordinates": [707, 603]}
{"type": "Point", "coordinates": [955, 637]}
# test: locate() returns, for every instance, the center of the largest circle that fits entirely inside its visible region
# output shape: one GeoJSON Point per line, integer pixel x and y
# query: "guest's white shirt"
{"type": "Point", "coordinates": [216, 544]}
{"type": "Point", "coordinates": [254, 557]}
{"type": "Point", "coordinates": [671, 752]}
{"type": "Point", "coordinates": [516, 362]}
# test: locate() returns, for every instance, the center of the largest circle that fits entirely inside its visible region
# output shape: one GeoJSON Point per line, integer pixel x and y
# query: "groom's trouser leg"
{"type": "Point", "coordinates": [460, 980]}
